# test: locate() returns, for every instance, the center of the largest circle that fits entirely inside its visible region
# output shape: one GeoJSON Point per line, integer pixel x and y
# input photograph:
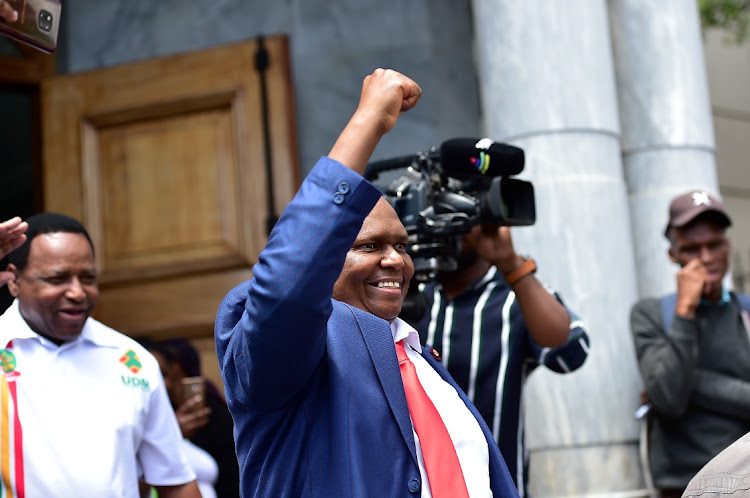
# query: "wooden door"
{"type": "Point", "coordinates": [164, 162]}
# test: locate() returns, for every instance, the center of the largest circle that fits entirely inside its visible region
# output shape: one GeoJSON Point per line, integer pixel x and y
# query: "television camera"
{"type": "Point", "coordinates": [446, 191]}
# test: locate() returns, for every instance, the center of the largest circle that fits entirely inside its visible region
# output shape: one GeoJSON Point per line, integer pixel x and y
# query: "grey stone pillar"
{"type": "Point", "coordinates": [665, 113]}
{"type": "Point", "coordinates": [547, 85]}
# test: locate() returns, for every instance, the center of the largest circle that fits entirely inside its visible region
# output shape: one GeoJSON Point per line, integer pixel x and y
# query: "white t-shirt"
{"type": "Point", "coordinates": [86, 418]}
{"type": "Point", "coordinates": [205, 467]}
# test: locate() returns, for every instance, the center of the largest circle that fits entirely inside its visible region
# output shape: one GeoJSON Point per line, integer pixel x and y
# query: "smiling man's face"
{"type": "Point", "coordinates": [377, 270]}
{"type": "Point", "coordinates": [57, 290]}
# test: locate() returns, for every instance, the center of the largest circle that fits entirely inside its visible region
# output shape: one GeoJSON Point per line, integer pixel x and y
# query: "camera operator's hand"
{"type": "Point", "coordinates": [495, 244]}
{"type": "Point", "coordinates": [7, 13]}
{"type": "Point", "coordinates": [547, 320]}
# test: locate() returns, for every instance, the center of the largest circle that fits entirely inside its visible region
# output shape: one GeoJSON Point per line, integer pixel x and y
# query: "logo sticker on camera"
{"type": "Point", "coordinates": [482, 163]}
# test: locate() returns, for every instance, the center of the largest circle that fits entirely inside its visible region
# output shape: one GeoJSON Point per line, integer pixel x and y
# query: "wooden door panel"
{"type": "Point", "coordinates": [182, 168]}
{"type": "Point", "coordinates": [146, 312]}
{"type": "Point", "coordinates": [164, 162]}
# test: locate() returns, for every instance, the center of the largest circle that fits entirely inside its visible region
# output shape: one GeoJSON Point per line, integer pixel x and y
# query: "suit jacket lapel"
{"type": "Point", "coordinates": [377, 336]}
{"type": "Point", "coordinates": [379, 341]}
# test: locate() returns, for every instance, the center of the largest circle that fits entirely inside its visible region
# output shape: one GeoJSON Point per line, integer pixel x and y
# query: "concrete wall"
{"type": "Point", "coordinates": [561, 107]}
{"type": "Point", "coordinates": [728, 68]}
{"type": "Point", "coordinates": [334, 45]}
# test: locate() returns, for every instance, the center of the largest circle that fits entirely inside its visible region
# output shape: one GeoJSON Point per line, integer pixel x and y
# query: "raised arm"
{"type": "Point", "coordinates": [286, 306]}
{"type": "Point", "coordinates": [386, 94]}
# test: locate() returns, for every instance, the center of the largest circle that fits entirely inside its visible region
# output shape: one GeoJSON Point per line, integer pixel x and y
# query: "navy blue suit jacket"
{"type": "Point", "coordinates": [313, 384]}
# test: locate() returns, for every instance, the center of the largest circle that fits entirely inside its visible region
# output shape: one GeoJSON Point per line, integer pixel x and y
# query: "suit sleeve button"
{"type": "Point", "coordinates": [414, 485]}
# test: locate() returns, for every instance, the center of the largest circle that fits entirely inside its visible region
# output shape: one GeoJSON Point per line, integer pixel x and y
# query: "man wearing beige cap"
{"type": "Point", "coordinates": [693, 349]}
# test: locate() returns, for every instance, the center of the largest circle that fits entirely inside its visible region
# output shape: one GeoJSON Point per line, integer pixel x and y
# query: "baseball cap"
{"type": "Point", "coordinates": [686, 207]}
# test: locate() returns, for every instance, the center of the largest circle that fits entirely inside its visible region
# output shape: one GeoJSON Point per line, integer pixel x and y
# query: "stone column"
{"type": "Point", "coordinates": [547, 85]}
{"type": "Point", "coordinates": [665, 114]}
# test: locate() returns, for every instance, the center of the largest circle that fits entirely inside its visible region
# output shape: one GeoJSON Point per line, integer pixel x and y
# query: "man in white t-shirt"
{"type": "Point", "coordinates": [83, 408]}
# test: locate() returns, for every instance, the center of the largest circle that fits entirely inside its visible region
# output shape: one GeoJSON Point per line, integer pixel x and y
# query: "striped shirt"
{"type": "Point", "coordinates": [485, 345]}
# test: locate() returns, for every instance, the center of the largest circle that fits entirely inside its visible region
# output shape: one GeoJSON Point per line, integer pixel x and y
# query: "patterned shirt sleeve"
{"type": "Point", "coordinates": [569, 356]}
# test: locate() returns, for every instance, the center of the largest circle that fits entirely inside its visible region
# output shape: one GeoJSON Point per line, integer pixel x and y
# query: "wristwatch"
{"type": "Point", "coordinates": [526, 268]}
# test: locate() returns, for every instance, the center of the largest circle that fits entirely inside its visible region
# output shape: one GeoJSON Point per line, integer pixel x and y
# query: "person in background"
{"type": "Point", "coordinates": [330, 391]}
{"type": "Point", "coordinates": [493, 322]}
{"type": "Point", "coordinates": [85, 407]}
{"type": "Point", "coordinates": [693, 350]}
{"type": "Point", "coordinates": [208, 424]}
{"type": "Point", "coordinates": [203, 464]}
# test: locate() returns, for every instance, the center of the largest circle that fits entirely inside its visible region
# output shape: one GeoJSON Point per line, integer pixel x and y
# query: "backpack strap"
{"type": "Point", "coordinates": [744, 301]}
{"type": "Point", "coordinates": [667, 304]}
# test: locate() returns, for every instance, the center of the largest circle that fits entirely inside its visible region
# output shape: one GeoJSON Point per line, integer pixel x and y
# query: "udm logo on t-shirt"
{"type": "Point", "coordinates": [135, 382]}
{"type": "Point", "coordinates": [7, 360]}
{"type": "Point", "coordinates": [132, 363]}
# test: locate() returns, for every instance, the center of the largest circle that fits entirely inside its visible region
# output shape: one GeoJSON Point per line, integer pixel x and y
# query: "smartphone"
{"type": "Point", "coordinates": [192, 386]}
{"type": "Point", "coordinates": [37, 24]}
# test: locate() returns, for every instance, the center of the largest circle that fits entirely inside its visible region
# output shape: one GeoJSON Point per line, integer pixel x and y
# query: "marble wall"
{"type": "Point", "coordinates": [728, 67]}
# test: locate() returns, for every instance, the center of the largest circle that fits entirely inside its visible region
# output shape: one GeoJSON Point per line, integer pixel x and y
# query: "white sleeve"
{"type": "Point", "coordinates": [160, 454]}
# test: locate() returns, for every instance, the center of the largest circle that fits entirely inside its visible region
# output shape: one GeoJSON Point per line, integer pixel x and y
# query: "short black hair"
{"type": "Point", "coordinates": [41, 224]}
{"type": "Point", "coordinates": [181, 351]}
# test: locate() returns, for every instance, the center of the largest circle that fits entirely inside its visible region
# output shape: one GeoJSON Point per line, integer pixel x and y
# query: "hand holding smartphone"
{"type": "Point", "coordinates": [192, 386]}
{"type": "Point", "coordinates": [36, 25]}
{"type": "Point", "coordinates": [6, 12]}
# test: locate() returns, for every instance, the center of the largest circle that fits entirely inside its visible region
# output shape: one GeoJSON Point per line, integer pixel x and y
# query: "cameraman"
{"type": "Point", "coordinates": [493, 302]}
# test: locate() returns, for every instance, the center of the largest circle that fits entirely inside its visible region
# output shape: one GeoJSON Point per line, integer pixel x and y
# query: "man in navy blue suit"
{"type": "Point", "coordinates": [307, 347]}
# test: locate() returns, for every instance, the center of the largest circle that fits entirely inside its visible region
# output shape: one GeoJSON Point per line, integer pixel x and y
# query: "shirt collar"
{"type": "Point", "coordinates": [486, 278]}
{"type": "Point", "coordinates": [478, 283]}
{"type": "Point", "coordinates": [403, 331]}
{"type": "Point", "coordinates": [19, 329]}
{"type": "Point", "coordinates": [723, 301]}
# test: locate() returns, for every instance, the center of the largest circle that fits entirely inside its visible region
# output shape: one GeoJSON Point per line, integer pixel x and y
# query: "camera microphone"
{"type": "Point", "coordinates": [467, 158]}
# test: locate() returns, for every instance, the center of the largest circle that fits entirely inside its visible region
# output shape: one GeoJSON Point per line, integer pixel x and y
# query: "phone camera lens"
{"type": "Point", "coordinates": [45, 20]}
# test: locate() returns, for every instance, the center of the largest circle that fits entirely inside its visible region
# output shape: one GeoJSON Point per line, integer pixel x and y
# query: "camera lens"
{"type": "Point", "coordinates": [45, 20]}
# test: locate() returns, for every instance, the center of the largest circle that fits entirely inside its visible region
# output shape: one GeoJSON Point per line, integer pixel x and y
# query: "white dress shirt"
{"type": "Point", "coordinates": [463, 428]}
